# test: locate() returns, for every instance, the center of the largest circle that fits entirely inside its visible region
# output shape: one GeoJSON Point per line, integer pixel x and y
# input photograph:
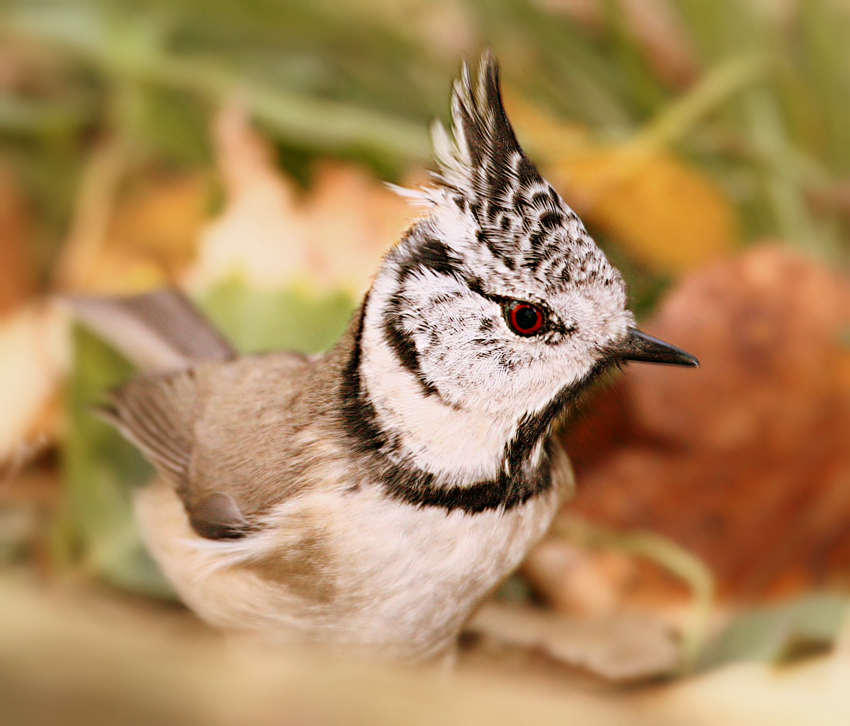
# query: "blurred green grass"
{"type": "Point", "coordinates": [362, 80]}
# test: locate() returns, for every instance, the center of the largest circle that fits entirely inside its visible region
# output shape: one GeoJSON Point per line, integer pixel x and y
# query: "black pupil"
{"type": "Point", "coordinates": [526, 317]}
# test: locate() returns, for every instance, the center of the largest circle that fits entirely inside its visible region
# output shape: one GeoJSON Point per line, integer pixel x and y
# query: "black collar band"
{"type": "Point", "coordinates": [519, 479]}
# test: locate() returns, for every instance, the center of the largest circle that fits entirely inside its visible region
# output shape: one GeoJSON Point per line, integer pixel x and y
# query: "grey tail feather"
{"type": "Point", "coordinates": [157, 331]}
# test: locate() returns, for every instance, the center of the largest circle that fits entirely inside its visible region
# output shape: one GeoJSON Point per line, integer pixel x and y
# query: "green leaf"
{"type": "Point", "coordinates": [261, 320]}
{"type": "Point", "coordinates": [101, 471]}
{"type": "Point", "coordinates": [778, 634]}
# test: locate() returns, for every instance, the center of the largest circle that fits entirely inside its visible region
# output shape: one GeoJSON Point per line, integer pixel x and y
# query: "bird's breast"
{"type": "Point", "coordinates": [351, 568]}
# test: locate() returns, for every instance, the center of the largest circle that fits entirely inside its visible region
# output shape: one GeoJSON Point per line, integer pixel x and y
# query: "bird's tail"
{"type": "Point", "coordinates": [157, 331]}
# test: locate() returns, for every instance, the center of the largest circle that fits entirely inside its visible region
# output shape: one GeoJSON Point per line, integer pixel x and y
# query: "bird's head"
{"type": "Point", "coordinates": [498, 299]}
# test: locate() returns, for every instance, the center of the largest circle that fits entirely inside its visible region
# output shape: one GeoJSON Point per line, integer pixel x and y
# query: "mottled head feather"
{"type": "Point", "coordinates": [439, 354]}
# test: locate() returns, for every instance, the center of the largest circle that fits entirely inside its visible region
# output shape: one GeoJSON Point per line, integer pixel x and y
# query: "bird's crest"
{"type": "Point", "coordinates": [484, 172]}
{"type": "Point", "coordinates": [483, 159]}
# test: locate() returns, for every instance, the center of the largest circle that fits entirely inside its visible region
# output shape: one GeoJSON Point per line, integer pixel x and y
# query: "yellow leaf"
{"type": "Point", "coordinates": [34, 357]}
{"type": "Point", "coordinates": [133, 228]}
{"type": "Point", "coordinates": [159, 217]}
{"type": "Point", "coordinates": [666, 214]}
{"type": "Point", "coordinates": [151, 233]}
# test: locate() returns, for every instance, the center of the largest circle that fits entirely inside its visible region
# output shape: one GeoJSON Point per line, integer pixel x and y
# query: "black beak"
{"type": "Point", "coordinates": [639, 346]}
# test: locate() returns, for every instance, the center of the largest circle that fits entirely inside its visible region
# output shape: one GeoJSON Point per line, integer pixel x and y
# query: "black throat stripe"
{"type": "Point", "coordinates": [403, 345]}
{"type": "Point", "coordinates": [358, 417]}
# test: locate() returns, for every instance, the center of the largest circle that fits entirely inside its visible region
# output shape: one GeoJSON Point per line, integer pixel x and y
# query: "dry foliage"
{"type": "Point", "coordinates": [744, 462]}
{"type": "Point", "coordinates": [273, 236]}
{"type": "Point", "coordinates": [667, 215]}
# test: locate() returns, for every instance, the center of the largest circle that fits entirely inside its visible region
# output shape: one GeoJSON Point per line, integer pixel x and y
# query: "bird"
{"type": "Point", "coordinates": [368, 499]}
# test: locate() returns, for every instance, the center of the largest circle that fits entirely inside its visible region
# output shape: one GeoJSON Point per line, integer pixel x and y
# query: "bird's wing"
{"type": "Point", "coordinates": [186, 363]}
{"type": "Point", "coordinates": [158, 414]}
{"type": "Point", "coordinates": [200, 427]}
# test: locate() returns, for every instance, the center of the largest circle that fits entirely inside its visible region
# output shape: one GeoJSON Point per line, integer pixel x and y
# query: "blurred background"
{"type": "Point", "coordinates": [238, 150]}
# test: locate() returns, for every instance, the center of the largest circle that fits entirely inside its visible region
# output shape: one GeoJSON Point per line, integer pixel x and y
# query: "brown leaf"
{"type": "Point", "coordinates": [745, 460]}
{"type": "Point", "coordinates": [621, 648]}
{"type": "Point", "coordinates": [575, 580]}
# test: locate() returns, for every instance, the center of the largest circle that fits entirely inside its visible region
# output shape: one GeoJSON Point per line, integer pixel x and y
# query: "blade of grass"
{"type": "Point", "coordinates": [716, 88]}
{"type": "Point", "coordinates": [129, 53]}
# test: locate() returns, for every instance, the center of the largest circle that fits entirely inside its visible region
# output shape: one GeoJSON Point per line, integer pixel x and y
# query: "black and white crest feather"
{"type": "Point", "coordinates": [519, 217]}
{"type": "Point", "coordinates": [484, 160]}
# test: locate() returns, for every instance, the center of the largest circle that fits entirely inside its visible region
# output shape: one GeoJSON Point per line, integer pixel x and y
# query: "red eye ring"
{"type": "Point", "coordinates": [524, 318]}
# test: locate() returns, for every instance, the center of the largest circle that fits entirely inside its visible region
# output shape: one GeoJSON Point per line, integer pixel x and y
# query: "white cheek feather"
{"type": "Point", "coordinates": [440, 438]}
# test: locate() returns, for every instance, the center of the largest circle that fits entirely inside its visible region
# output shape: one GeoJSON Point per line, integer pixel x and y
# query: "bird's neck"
{"type": "Point", "coordinates": [461, 467]}
{"type": "Point", "coordinates": [457, 443]}
{"type": "Point", "coordinates": [428, 444]}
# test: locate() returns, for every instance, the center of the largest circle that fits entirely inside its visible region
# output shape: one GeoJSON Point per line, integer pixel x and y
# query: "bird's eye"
{"type": "Point", "coordinates": [524, 318]}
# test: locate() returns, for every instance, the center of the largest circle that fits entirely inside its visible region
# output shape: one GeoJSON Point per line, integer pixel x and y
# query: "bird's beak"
{"type": "Point", "coordinates": [639, 346]}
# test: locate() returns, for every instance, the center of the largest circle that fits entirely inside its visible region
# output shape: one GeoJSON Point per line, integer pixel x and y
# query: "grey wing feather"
{"type": "Point", "coordinates": [218, 517]}
{"type": "Point", "coordinates": [157, 331]}
{"type": "Point", "coordinates": [164, 334]}
{"type": "Point", "coordinates": [158, 414]}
